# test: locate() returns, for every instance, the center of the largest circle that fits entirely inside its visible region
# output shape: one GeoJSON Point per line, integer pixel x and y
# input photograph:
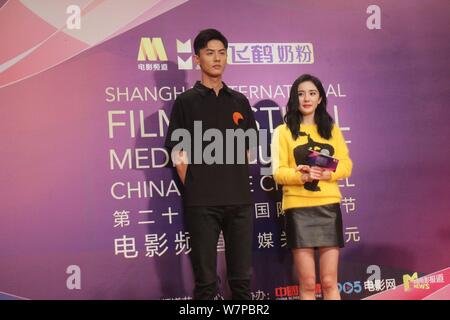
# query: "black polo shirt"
{"type": "Point", "coordinates": [216, 184]}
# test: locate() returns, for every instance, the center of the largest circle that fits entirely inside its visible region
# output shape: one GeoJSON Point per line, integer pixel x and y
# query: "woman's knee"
{"type": "Point", "coordinates": [308, 283]}
{"type": "Point", "coordinates": [328, 282]}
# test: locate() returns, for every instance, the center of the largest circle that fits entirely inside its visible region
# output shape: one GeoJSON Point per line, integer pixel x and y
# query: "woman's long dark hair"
{"type": "Point", "coordinates": [294, 117]}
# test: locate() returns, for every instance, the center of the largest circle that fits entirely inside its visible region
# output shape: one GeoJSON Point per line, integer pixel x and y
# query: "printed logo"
{"type": "Point", "coordinates": [152, 50]}
{"type": "Point", "coordinates": [184, 47]}
{"type": "Point", "coordinates": [407, 279]}
{"type": "Point", "coordinates": [270, 53]}
{"type": "Point", "coordinates": [236, 117]}
{"type": "Point", "coordinates": [253, 53]}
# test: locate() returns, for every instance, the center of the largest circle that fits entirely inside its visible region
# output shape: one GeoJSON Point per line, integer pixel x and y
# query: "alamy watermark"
{"type": "Point", "coordinates": [212, 146]}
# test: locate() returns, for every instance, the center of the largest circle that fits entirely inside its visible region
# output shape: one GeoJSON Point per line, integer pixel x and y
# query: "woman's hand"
{"type": "Point", "coordinates": [317, 173]}
{"type": "Point", "coordinates": [304, 169]}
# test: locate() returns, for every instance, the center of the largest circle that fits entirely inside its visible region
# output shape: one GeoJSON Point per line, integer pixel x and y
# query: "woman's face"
{"type": "Point", "coordinates": [308, 98]}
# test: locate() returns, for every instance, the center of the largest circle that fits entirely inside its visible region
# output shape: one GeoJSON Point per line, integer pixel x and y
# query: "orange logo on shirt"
{"type": "Point", "coordinates": [236, 117]}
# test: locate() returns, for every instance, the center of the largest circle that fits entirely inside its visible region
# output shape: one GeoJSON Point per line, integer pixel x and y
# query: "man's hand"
{"type": "Point", "coordinates": [181, 164]}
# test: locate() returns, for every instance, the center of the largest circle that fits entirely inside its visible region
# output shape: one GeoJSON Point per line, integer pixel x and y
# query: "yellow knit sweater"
{"type": "Point", "coordinates": [284, 153]}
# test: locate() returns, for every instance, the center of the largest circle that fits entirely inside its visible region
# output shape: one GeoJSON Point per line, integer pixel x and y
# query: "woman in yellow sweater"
{"type": "Point", "coordinates": [311, 196]}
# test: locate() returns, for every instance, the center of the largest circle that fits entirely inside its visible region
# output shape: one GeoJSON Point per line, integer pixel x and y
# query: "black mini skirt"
{"type": "Point", "coordinates": [314, 227]}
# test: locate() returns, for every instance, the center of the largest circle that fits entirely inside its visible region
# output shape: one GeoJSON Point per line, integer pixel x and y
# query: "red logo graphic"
{"type": "Point", "coordinates": [236, 117]}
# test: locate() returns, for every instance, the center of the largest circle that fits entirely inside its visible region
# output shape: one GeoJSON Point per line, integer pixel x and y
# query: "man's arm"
{"type": "Point", "coordinates": [179, 157]}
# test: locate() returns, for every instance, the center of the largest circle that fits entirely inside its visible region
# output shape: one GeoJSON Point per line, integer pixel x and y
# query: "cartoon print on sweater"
{"type": "Point", "coordinates": [301, 155]}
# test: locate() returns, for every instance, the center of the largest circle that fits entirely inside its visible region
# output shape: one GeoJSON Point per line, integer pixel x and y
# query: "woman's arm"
{"type": "Point", "coordinates": [282, 173]}
{"type": "Point", "coordinates": [345, 165]}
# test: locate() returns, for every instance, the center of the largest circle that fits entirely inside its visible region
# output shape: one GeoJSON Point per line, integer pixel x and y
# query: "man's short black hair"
{"type": "Point", "coordinates": [204, 36]}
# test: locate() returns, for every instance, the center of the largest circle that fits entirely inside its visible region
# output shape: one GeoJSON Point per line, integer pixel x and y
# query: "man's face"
{"type": "Point", "coordinates": [212, 59]}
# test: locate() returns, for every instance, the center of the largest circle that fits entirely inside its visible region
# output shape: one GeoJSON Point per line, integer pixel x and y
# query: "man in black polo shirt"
{"type": "Point", "coordinates": [216, 193]}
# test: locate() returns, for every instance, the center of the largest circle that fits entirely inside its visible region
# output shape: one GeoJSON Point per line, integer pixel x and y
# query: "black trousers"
{"type": "Point", "coordinates": [204, 225]}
